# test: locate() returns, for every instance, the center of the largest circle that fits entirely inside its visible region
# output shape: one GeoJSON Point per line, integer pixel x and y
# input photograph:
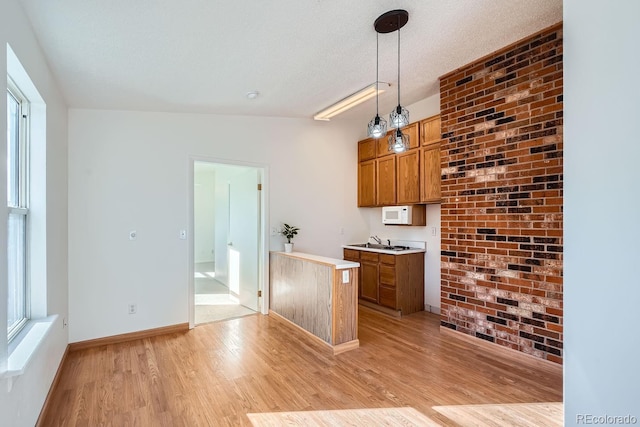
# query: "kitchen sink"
{"type": "Point", "coordinates": [377, 246]}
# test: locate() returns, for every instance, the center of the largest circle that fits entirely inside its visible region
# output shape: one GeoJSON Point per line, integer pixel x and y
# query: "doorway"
{"type": "Point", "coordinates": [227, 218]}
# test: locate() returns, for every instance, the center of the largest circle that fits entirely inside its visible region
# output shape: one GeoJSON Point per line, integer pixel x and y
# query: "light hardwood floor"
{"type": "Point", "coordinates": [218, 373]}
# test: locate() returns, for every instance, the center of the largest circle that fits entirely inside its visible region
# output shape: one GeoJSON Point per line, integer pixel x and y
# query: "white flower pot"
{"type": "Point", "coordinates": [288, 247]}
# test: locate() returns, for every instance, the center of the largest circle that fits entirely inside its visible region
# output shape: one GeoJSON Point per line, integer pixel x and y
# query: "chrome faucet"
{"type": "Point", "coordinates": [377, 239]}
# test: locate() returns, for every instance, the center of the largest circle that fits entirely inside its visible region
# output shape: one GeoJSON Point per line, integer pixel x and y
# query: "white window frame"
{"type": "Point", "coordinates": [22, 206]}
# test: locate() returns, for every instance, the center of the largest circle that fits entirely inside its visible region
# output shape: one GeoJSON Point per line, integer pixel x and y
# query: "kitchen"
{"type": "Point", "coordinates": [124, 153]}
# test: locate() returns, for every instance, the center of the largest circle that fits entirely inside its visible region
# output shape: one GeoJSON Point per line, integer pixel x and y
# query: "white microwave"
{"type": "Point", "coordinates": [397, 214]}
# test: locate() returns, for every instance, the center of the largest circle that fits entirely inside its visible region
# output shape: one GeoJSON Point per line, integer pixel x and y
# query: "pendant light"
{"type": "Point", "coordinates": [399, 117]}
{"type": "Point", "coordinates": [398, 141]}
{"type": "Point", "coordinates": [377, 127]}
{"type": "Point", "coordinates": [387, 23]}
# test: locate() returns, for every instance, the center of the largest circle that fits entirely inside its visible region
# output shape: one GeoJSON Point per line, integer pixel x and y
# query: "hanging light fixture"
{"type": "Point", "coordinates": [387, 23]}
{"type": "Point", "coordinates": [398, 141]}
{"type": "Point", "coordinates": [377, 127]}
{"type": "Point", "coordinates": [399, 117]}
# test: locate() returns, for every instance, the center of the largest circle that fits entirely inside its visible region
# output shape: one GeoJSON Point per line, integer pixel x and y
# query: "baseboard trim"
{"type": "Point", "coordinates": [379, 308]}
{"type": "Point", "coordinates": [345, 346]}
{"type": "Point", "coordinates": [335, 349]}
{"type": "Point", "coordinates": [131, 336]}
{"type": "Point", "coordinates": [56, 379]}
{"type": "Point", "coordinates": [543, 364]}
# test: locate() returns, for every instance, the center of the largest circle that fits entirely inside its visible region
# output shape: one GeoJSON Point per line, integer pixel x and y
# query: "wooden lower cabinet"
{"type": "Point", "coordinates": [393, 282]}
{"type": "Point", "coordinates": [368, 288]}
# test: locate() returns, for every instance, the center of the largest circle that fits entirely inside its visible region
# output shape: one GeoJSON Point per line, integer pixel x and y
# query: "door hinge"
{"type": "Point", "coordinates": [259, 294]}
{"type": "Point", "coordinates": [259, 187]}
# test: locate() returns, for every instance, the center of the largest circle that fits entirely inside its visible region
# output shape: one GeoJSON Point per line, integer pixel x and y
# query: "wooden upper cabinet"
{"type": "Point", "coordinates": [430, 130]}
{"type": "Point", "coordinates": [408, 177]}
{"type": "Point", "coordinates": [367, 183]}
{"type": "Point", "coordinates": [366, 149]}
{"type": "Point", "coordinates": [411, 130]}
{"type": "Point", "coordinates": [386, 181]}
{"type": "Point", "coordinates": [430, 174]}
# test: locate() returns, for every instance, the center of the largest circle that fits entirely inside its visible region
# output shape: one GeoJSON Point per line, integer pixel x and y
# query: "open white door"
{"type": "Point", "coordinates": [244, 220]}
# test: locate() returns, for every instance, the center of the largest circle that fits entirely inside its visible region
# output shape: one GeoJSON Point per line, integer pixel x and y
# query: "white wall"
{"type": "Point", "coordinates": [204, 213]}
{"type": "Point", "coordinates": [129, 170]}
{"type": "Point", "coordinates": [222, 226]}
{"type": "Point", "coordinates": [21, 405]}
{"type": "Point", "coordinates": [426, 108]}
{"type": "Point", "coordinates": [602, 219]}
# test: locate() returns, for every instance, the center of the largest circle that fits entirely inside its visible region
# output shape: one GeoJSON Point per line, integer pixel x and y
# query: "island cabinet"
{"type": "Point", "coordinates": [386, 178]}
{"type": "Point", "coordinates": [318, 295]}
{"type": "Point", "coordinates": [390, 283]}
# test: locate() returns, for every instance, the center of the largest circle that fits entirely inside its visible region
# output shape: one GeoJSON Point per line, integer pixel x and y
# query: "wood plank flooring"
{"type": "Point", "coordinates": [216, 374]}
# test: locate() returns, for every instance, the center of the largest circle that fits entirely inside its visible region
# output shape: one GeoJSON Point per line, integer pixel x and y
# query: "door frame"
{"type": "Point", "coordinates": [263, 234]}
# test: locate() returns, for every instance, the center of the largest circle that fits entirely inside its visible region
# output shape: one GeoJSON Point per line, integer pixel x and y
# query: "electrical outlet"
{"type": "Point", "coordinates": [434, 231]}
{"type": "Point", "coordinates": [345, 276]}
{"type": "Point", "coordinates": [133, 308]}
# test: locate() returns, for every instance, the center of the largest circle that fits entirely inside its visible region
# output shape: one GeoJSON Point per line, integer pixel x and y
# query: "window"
{"type": "Point", "coordinates": [18, 204]}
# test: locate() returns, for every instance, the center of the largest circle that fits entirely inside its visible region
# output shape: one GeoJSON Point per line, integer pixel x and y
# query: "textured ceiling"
{"type": "Point", "coordinates": [302, 55]}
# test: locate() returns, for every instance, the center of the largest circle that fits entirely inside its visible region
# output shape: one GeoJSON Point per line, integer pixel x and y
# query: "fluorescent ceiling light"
{"type": "Point", "coordinates": [351, 101]}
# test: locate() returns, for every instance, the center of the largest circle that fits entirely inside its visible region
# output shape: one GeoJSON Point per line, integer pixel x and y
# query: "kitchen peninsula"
{"type": "Point", "coordinates": [317, 294]}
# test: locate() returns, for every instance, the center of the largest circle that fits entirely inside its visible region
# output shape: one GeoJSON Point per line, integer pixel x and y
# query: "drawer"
{"type": "Point", "coordinates": [388, 259]}
{"type": "Point", "coordinates": [387, 297]}
{"type": "Point", "coordinates": [351, 254]}
{"type": "Point", "coordinates": [387, 275]}
{"type": "Point", "coordinates": [368, 256]}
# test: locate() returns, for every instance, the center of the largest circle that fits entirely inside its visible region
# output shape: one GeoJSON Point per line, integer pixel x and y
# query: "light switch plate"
{"type": "Point", "coordinates": [345, 276]}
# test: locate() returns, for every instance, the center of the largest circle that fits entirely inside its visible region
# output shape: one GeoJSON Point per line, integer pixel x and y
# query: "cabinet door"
{"type": "Point", "coordinates": [367, 183]}
{"type": "Point", "coordinates": [430, 130]}
{"type": "Point", "coordinates": [387, 297]}
{"type": "Point", "coordinates": [369, 284]}
{"type": "Point", "coordinates": [367, 149]}
{"type": "Point", "coordinates": [408, 177]}
{"type": "Point", "coordinates": [412, 131]}
{"type": "Point", "coordinates": [386, 181]}
{"type": "Point", "coordinates": [430, 174]}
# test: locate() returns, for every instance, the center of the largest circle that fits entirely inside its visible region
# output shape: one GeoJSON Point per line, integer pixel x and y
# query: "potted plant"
{"type": "Point", "coordinates": [289, 232]}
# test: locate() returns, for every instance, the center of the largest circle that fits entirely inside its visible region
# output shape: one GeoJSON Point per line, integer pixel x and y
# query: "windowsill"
{"type": "Point", "coordinates": [25, 344]}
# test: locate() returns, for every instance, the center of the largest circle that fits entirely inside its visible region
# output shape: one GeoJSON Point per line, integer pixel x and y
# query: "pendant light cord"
{"type": "Point", "coordinates": [398, 60]}
{"type": "Point", "coordinates": [377, 53]}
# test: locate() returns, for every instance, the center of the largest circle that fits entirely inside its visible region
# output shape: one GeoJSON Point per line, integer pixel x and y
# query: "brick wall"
{"type": "Point", "coordinates": [502, 197]}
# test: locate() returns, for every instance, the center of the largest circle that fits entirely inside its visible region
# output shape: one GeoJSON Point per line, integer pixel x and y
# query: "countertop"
{"type": "Point", "coordinates": [413, 249]}
{"type": "Point", "coordinates": [339, 264]}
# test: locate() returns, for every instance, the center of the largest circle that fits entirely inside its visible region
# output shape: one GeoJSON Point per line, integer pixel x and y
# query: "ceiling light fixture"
{"type": "Point", "coordinates": [387, 23]}
{"type": "Point", "coordinates": [377, 127]}
{"type": "Point", "coordinates": [350, 101]}
{"type": "Point", "coordinates": [253, 94]}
